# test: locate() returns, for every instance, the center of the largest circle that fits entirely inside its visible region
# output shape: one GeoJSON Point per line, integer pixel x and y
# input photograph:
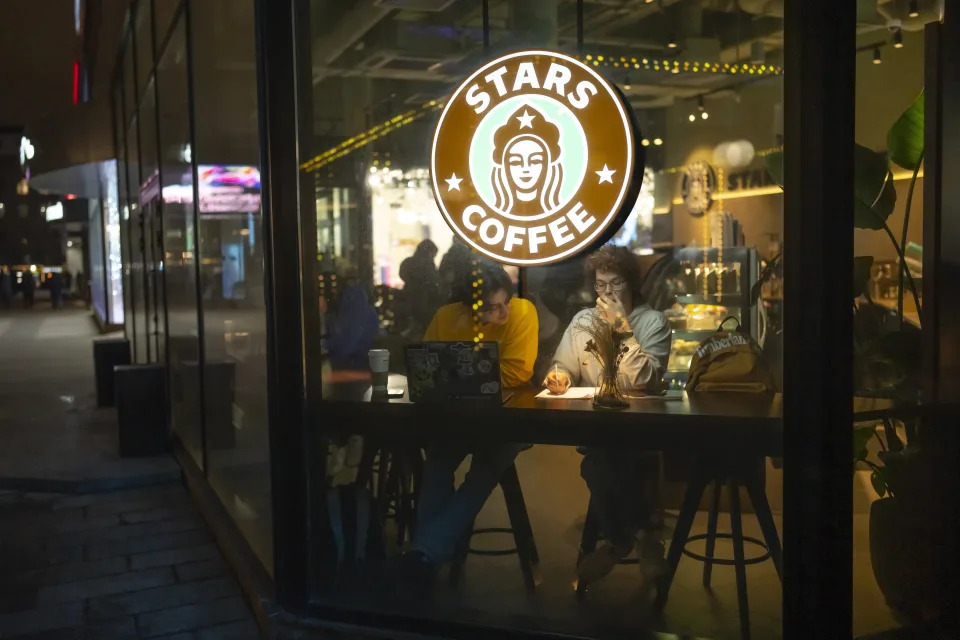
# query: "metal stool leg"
{"type": "Point", "coordinates": [758, 496]}
{"type": "Point", "coordinates": [684, 521]}
{"type": "Point", "coordinates": [738, 557]}
{"type": "Point", "coordinates": [588, 543]}
{"type": "Point", "coordinates": [520, 524]}
{"type": "Point", "coordinates": [712, 532]}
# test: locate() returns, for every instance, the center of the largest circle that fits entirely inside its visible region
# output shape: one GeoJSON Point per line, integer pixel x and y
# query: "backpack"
{"type": "Point", "coordinates": [729, 361]}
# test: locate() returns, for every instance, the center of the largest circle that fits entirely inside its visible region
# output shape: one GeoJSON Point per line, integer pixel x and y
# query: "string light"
{"type": "Point", "coordinates": [668, 66]}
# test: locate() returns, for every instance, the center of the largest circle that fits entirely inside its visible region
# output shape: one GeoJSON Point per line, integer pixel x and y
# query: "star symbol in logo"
{"type": "Point", "coordinates": [605, 174]}
{"type": "Point", "coordinates": [526, 120]}
{"type": "Point", "coordinates": [453, 182]}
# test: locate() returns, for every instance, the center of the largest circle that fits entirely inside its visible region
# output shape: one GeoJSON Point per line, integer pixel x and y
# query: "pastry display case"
{"type": "Point", "coordinates": [697, 289]}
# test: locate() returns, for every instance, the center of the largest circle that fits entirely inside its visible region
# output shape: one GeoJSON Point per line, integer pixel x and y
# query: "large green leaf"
{"type": "Point", "coordinates": [873, 192]}
{"type": "Point", "coordinates": [861, 274]}
{"type": "Point", "coordinates": [905, 138]}
{"type": "Point", "coordinates": [774, 164]}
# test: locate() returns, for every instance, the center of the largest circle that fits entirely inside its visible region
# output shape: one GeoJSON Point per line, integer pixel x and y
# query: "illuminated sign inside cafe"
{"type": "Point", "coordinates": [534, 159]}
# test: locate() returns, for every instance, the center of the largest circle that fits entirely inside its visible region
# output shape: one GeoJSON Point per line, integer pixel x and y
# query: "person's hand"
{"type": "Point", "coordinates": [612, 311]}
{"type": "Point", "coordinates": [558, 381]}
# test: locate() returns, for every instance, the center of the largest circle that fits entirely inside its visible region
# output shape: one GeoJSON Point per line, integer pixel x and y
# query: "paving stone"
{"type": "Point", "coordinates": [161, 598]}
{"type": "Point", "coordinates": [80, 570]}
{"type": "Point", "coordinates": [154, 515]}
{"type": "Point", "coordinates": [239, 630]}
{"type": "Point", "coordinates": [143, 544]}
{"type": "Point", "coordinates": [87, 499]}
{"type": "Point", "coordinates": [88, 524]}
{"type": "Point", "coordinates": [106, 585]}
{"type": "Point", "coordinates": [190, 571]}
{"type": "Point", "coordinates": [177, 636]}
{"type": "Point", "coordinates": [192, 616]}
{"type": "Point", "coordinates": [169, 557]}
{"type": "Point", "coordinates": [120, 629]}
{"type": "Point", "coordinates": [139, 503]}
{"type": "Point", "coordinates": [57, 616]}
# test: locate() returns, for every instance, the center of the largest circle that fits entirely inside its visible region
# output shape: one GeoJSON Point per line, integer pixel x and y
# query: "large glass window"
{"type": "Point", "coordinates": [897, 548]}
{"type": "Point", "coordinates": [230, 245]}
{"type": "Point", "coordinates": [397, 289]}
{"type": "Point", "coordinates": [141, 348]}
{"type": "Point", "coordinates": [123, 210]}
{"type": "Point", "coordinates": [180, 243]}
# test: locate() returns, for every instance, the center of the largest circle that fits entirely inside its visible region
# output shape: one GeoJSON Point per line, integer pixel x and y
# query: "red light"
{"type": "Point", "coordinates": [71, 196]}
{"type": "Point", "coordinates": [76, 82]}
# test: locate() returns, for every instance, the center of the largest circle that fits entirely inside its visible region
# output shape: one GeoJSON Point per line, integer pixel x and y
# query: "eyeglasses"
{"type": "Point", "coordinates": [614, 286]}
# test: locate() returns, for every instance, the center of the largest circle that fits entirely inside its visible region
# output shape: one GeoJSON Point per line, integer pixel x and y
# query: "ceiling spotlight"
{"type": "Point", "coordinates": [704, 115]}
{"type": "Point", "coordinates": [671, 41]}
{"type": "Point", "coordinates": [657, 141]}
{"type": "Point", "coordinates": [876, 56]}
{"type": "Point", "coordinates": [898, 38]}
{"type": "Point", "coordinates": [692, 118]}
{"type": "Point", "coordinates": [626, 83]}
{"type": "Point", "coordinates": [914, 9]}
{"type": "Point", "coordinates": [645, 142]}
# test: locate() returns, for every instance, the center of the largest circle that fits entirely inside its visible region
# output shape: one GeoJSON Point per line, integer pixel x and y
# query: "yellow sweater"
{"type": "Point", "coordinates": [517, 339]}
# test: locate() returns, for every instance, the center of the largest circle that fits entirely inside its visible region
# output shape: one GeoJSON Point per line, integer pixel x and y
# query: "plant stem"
{"type": "Point", "coordinates": [899, 250]}
{"type": "Point", "coordinates": [903, 238]}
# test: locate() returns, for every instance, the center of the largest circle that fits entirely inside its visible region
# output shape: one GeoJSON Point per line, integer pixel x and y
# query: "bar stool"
{"type": "Point", "coordinates": [399, 471]}
{"type": "Point", "coordinates": [735, 472]}
{"type": "Point", "coordinates": [525, 549]}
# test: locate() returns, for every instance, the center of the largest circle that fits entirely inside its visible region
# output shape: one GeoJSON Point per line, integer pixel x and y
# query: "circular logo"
{"type": "Point", "coordinates": [534, 159]}
{"type": "Point", "coordinates": [697, 186]}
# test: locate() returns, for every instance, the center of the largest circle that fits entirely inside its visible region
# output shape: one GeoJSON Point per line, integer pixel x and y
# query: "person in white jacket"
{"type": "Point", "coordinates": [621, 482]}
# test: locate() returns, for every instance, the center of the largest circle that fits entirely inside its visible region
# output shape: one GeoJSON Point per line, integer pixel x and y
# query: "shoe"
{"type": "Point", "coordinates": [415, 577]}
{"type": "Point", "coordinates": [597, 564]}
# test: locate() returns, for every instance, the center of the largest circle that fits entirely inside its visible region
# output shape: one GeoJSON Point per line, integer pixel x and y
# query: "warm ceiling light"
{"type": "Point", "coordinates": [704, 115]}
{"type": "Point", "coordinates": [671, 42]}
{"type": "Point", "coordinates": [645, 142]}
{"type": "Point", "coordinates": [876, 56]}
{"type": "Point", "coordinates": [914, 10]}
{"type": "Point", "coordinates": [657, 141]}
{"type": "Point", "coordinates": [898, 38]}
{"type": "Point", "coordinates": [692, 118]}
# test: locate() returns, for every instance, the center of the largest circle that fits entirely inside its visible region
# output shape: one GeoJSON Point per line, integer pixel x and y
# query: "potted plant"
{"type": "Point", "coordinates": [910, 541]}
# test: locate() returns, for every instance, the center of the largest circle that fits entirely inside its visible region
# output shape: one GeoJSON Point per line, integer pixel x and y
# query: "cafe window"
{"type": "Point", "coordinates": [551, 392]}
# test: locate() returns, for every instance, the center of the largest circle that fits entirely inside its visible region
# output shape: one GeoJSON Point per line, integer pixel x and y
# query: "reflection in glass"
{"type": "Point", "coordinates": [230, 246]}
{"type": "Point", "coordinates": [179, 234]}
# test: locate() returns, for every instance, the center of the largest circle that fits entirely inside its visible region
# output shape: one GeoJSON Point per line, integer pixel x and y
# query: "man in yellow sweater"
{"type": "Point", "coordinates": [444, 515]}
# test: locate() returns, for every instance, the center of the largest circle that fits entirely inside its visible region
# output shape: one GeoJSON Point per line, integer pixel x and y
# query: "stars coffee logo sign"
{"type": "Point", "coordinates": [534, 159]}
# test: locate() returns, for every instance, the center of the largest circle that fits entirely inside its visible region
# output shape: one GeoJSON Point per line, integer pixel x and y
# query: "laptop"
{"type": "Point", "coordinates": [454, 371]}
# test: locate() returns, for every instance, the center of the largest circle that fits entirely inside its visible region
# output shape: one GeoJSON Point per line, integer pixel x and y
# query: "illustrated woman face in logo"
{"type": "Point", "coordinates": [526, 156]}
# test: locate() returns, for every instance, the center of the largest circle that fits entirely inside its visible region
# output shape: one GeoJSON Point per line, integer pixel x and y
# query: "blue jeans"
{"type": "Point", "coordinates": [444, 515]}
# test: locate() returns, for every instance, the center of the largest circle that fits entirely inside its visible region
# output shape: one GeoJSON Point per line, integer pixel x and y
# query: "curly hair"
{"type": "Point", "coordinates": [618, 260]}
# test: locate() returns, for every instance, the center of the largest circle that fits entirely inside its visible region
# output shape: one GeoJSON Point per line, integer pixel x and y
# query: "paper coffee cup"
{"type": "Point", "coordinates": [379, 366]}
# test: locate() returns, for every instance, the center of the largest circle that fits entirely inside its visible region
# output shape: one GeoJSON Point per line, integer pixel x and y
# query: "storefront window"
{"type": "Point", "coordinates": [400, 291]}
{"type": "Point", "coordinates": [231, 248]}
{"type": "Point", "coordinates": [179, 233]}
{"type": "Point", "coordinates": [141, 349]}
{"type": "Point", "coordinates": [143, 23]}
{"type": "Point", "coordinates": [123, 209]}
{"type": "Point", "coordinates": [897, 545]}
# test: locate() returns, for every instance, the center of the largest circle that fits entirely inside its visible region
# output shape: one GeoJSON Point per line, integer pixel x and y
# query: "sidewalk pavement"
{"type": "Point", "coordinates": [94, 546]}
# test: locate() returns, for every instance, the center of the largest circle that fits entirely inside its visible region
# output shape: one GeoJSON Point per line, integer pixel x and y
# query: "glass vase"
{"type": "Point", "coordinates": [607, 394]}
